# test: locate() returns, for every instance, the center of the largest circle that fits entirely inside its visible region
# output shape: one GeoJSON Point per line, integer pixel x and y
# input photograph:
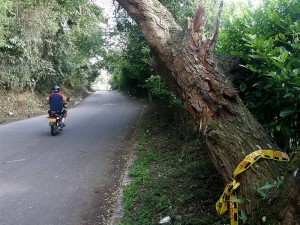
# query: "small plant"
{"type": "Point", "coordinates": [262, 191]}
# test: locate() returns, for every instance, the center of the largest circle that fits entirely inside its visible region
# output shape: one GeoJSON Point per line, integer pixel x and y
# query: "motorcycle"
{"type": "Point", "coordinates": [55, 119]}
{"type": "Point", "coordinates": [55, 122]}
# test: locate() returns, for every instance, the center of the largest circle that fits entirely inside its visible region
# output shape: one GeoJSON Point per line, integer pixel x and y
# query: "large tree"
{"type": "Point", "coordinates": [185, 59]}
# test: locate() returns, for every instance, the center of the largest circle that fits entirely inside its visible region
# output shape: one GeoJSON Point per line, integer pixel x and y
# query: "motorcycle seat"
{"type": "Point", "coordinates": [54, 112]}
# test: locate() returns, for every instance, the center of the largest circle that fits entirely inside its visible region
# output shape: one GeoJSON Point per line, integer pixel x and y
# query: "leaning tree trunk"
{"type": "Point", "coordinates": [184, 59]}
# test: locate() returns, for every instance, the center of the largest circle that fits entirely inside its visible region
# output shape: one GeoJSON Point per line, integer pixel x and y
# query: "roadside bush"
{"type": "Point", "coordinates": [267, 40]}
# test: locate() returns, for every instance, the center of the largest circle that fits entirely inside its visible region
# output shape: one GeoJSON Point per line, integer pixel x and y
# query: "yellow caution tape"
{"type": "Point", "coordinates": [234, 211]}
{"type": "Point", "coordinates": [229, 194]}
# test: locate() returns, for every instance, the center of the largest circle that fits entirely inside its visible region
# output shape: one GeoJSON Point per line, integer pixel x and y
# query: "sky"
{"type": "Point", "coordinates": [107, 5]}
{"type": "Point", "coordinates": [102, 82]}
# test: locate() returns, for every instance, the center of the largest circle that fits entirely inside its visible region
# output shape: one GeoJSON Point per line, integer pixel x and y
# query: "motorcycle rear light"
{"type": "Point", "coordinates": [51, 115]}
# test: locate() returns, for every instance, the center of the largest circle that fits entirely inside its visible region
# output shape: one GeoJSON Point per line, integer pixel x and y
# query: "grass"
{"type": "Point", "coordinates": [172, 176]}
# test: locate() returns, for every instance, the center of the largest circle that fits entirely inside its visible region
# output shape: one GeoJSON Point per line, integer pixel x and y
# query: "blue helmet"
{"type": "Point", "coordinates": [56, 88]}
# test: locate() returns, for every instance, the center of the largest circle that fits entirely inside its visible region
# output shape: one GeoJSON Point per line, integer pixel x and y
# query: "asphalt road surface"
{"type": "Point", "coordinates": [70, 178]}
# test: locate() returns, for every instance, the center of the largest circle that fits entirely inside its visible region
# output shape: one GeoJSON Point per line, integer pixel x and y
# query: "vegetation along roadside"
{"type": "Point", "coordinates": [16, 106]}
{"type": "Point", "coordinates": [173, 177]}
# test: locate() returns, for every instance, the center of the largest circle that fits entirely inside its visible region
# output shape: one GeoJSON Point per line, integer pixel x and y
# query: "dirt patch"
{"type": "Point", "coordinates": [16, 106]}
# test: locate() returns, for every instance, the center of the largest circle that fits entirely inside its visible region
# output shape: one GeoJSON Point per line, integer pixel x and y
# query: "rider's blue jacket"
{"type": "Point", "coordinates": [56, 101]}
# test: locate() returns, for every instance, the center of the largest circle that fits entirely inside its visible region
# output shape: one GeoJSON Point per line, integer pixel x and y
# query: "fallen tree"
{"type": "Point", "coordinates": [185, 59]}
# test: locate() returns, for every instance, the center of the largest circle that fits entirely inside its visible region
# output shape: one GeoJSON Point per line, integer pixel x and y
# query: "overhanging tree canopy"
{"type": "Point", "coordinates": [184, 58]}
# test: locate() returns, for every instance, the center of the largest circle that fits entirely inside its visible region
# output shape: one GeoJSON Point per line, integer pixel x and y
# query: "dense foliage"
{"type": "Point", "coordinates": [130, 62]}
{"type": "Point", "coordinates": [130, 65]}
{"type": "Point", "coordinates": [43, 42]}
{"type": "Point", "coordinates": [267, 41]}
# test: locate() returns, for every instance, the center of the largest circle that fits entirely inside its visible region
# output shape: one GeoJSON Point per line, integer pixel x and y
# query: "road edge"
{"type": "Point", "coordinates": [118, 212]}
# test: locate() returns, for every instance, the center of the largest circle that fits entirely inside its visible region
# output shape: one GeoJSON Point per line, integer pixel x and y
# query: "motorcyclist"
{"type": "Point", "coordinates": [57, 101]}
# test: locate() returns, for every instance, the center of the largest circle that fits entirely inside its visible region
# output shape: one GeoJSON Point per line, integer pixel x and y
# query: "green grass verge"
{"type": "Point", "coordinates": [172, 176]}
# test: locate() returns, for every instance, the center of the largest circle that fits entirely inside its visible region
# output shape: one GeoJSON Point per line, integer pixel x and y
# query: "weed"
{"type": "Point", "coordinates": [172, 176]}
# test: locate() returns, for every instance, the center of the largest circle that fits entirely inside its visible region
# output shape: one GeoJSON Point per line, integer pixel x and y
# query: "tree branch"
{"type": "Point", "coordinates": [215, 31]}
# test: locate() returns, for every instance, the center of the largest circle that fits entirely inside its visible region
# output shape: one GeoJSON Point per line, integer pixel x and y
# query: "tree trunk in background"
{"type": "Point", "coordinates": [184, 59]}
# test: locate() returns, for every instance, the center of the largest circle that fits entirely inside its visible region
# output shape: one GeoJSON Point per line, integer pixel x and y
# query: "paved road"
{"type": "Point", "coordinates": [65, 179]}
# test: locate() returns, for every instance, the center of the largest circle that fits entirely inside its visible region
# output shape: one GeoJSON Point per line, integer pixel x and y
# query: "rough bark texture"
{"type": "Point", "coordinates": [185, 60]}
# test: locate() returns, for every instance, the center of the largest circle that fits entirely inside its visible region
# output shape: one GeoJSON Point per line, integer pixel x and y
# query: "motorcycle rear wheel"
{"type": "Point", "coordinates": [53, 129]}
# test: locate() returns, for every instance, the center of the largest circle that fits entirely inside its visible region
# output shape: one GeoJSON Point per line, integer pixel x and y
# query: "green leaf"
{"type": "Point", "coordinates": [268, 85]}
{"type": "Point", "coordinates": [296, 71]}
{"type": "Point", "coordinates": [279, 182]}
{"type": "Point", "coordinates": [243, 86]}
{"type": "Point", "coordinates": [261, 193]}
{"type": "Point", "coordinates": [239, 200]}
{"type": "Point", "coordinates": [282, 36]}
{"type": "Point", "coordinates": [278, 127]}
{"type": "Point", "coordinates": [284, 56]}
{"type": "Point", "coordinates": [288, 95]}
{"type": "Point", "coordinates": [244, 217]}
{"type": "Point", "coordinates": [255, 56]}
{"type": "Point", "coordinates": [286, 113]}
{"type": "Point", "coordinates": [266, 186]}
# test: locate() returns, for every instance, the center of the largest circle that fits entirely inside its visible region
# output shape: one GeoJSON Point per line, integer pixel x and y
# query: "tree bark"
{"type": "Point", "coordinates": [184, 58]}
